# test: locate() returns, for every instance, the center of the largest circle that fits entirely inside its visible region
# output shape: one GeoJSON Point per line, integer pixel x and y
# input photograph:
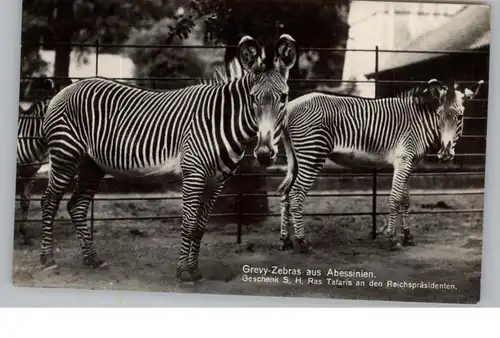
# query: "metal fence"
{"type": "Point", "coordinates": [373, 174]}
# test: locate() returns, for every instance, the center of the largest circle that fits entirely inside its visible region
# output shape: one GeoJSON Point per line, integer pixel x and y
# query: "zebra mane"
{"type": "Point", "coordinates": [413, 94]}
{"type": "Point", "coordinates": [417, 96]}
{"type": "Point", "coordinates": [410, 94]}
{"type": "Point", "coordinates": [223, 73]}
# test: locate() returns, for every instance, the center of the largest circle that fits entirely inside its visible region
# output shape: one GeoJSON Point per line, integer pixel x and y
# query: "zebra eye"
{"type": "Point", "coordinates": [283, 97]}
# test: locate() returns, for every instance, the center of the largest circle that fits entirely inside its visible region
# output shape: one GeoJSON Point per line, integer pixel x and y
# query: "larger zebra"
{"type": "Point", "coordinates": [99, 126]}
{"type": "Point", "coordinates": [353, 131]}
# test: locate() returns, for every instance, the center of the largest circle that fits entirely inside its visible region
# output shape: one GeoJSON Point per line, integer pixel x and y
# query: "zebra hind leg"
{"type": "Point", "coordinates": [60, 176]}
{"type": "Point", "coordinates": [193, 186]}
{"type": "Point", "coordinates": [394, 244]}
{"type": "Point", "coordinates": [212, 192]}
{"type": "Point", "coordinates": [26, 188]}
{"type": "Point", "coordinates": [296, 209]}
{"type": "Point", "coordinates": [89, 177]}
{"type": "Point", "coordinates": [307, 173]}
{"type": "Point", "coordinates": [286, 242]}
{"type": "Point", "coordinates": [408, 239]}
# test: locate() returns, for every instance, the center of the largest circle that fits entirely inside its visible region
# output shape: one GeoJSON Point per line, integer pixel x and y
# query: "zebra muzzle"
{"type": "Point", "coordinates": [446, 153]}
{"type": "Point", "coordinates": [265, 152]}
{"type": "Point", "coordinates": [265, 156]}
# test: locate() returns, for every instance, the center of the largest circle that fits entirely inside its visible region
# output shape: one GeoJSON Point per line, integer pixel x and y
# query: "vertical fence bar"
{"type": "Point", "coordinates": [238, 209]}
{"type": "Point", "coordinates": [374, 177]}
{"type": "Point", "coordinates": [92, 215]}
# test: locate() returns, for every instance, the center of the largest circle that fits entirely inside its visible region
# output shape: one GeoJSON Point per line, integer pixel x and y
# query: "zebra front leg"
{"type": "Point", "coordinates": [402, 171]}
{"type": "Point", "coordinates": [26, 188]}
{"type": "Point", "coordinates": [405, 206]}
{"type": "Point", "coordinates": [88, 183]}
{"type": "Point", "coordinates": [212, 192]}
{"type": "Point", "coordinates": [193, 186]}
{"type": "Point", "coordinates": [285, 223]}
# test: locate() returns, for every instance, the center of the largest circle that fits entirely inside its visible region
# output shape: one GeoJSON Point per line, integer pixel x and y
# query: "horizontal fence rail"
{"type": "Point", "coordinates": [371, 191]}
{"type": "Point", "coordinates": [97, 45]}
{"type": "Point", "coordinates": [291, 80]}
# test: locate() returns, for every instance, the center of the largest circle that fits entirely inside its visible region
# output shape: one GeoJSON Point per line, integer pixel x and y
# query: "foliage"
{"type": "Point", "coordinates": [318, 23]}
{"type": "Point", "coordinates": [64, 22]}
{"type": "Point", "coordinates": [157, 62]}
{"type": "Point", "coordinates": [108, 21]}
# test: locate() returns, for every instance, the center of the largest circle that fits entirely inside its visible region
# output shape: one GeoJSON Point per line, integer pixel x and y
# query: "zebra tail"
{"type": "Point", "coordinates": [292, 168]}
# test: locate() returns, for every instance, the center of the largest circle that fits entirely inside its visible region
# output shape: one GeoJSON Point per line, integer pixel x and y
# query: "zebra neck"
{"type": "Point", "coordinates": [433, 128]}
{"type": "Point", "coordinates": [428, 125]}
{"type": "Point", "coordinates": [235, 119]}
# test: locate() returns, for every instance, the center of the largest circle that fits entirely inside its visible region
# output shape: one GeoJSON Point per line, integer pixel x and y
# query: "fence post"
{"type": "Point", "coordinates": [374, 176]}
{"type": "Point", "coordinates": [238, 209]}
{"type": "Point", "coordinates": [92, 202]}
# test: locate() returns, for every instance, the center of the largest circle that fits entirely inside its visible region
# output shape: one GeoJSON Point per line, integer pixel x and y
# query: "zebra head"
{"type": "Point", "coordinates": [450, 109]}
{"type": "Point", "coordinates": [268, 91]}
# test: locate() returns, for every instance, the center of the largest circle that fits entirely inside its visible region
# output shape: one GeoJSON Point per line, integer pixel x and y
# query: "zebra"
{"type": "Point", "coordinates": [31, 153]}
{"type": "Point", "coordinates": [31, 147]}
{"type": "Point", "coordinates": [199, 132]}
{"type": "Point", "coordinates": [354, 131]}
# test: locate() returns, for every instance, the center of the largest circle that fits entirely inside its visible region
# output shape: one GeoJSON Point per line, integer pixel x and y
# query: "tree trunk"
{"type": "Point", "coordinates": [65, 27]}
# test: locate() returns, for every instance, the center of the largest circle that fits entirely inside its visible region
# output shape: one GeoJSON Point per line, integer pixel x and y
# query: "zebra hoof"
{"type": "Point", "coordinates": [408, 238]}
{"type": "Point", "coordinates": [286, 244]}
{"type": "Point", "coordinates": [408, 241]}
{"type": "Point", "coordinates": [396, 246]}
{"type": "Point", "coordinates": [95, 263]}
{"type": "Point", "coordinates": [196, 276]}
{"type": "Point", "coordinates": [186, 278]}
{"type": "Point", "coordinates": [48, 262]}
{"type": "Point", "coordinates": [304, 247]}
{"type": "Point", "coordinates": [51, 265]}
{"type": "Point", "coordinates": [305, 250]}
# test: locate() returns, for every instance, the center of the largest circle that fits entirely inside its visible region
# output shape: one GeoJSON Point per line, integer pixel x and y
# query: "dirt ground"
{"type": "Point", "coordinates": [448, 251]}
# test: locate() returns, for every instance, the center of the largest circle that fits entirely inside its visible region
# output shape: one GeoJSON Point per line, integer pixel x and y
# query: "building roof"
{"type": "Point", "coordinates": [468, 29]}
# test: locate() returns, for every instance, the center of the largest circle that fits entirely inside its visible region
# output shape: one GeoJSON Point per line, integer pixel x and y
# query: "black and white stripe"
{"type": "Point", "coordinates": [354, 131]}
{"type": "Point", "coordinates": [200, 132]}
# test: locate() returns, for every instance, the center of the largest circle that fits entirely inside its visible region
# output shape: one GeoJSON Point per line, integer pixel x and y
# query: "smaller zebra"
{"type": "Point", "coordinates": [31, 153]}
{"type": "Point", "coordinates": [355, 131]}
{"type": "Point", "coordinates": [31, 150]}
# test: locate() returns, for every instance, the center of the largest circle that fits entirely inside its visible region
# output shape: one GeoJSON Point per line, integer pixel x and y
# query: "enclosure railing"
{"type": "Point", "coordinates": [374, 174]}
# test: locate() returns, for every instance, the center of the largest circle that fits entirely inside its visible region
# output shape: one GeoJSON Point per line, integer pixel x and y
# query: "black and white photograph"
{"type": "Point", "coordinates": [328, 149]}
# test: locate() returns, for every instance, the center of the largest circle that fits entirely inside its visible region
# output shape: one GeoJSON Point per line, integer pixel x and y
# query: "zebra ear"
{"type": "Point", "coordinates": [469, 94]}
{"type": "Point", "coordinates": [286, 53]}
{"type": "Point", "coordinates": [51, 86]}
{"type": "Point", "coordinates": [249, 54]}
{"type": "Point", "coordinates": [436, 89]}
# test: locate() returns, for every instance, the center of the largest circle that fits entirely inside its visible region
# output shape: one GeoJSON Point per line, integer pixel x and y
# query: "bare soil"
{"type": "Point", "coordinates": [142, 255]}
